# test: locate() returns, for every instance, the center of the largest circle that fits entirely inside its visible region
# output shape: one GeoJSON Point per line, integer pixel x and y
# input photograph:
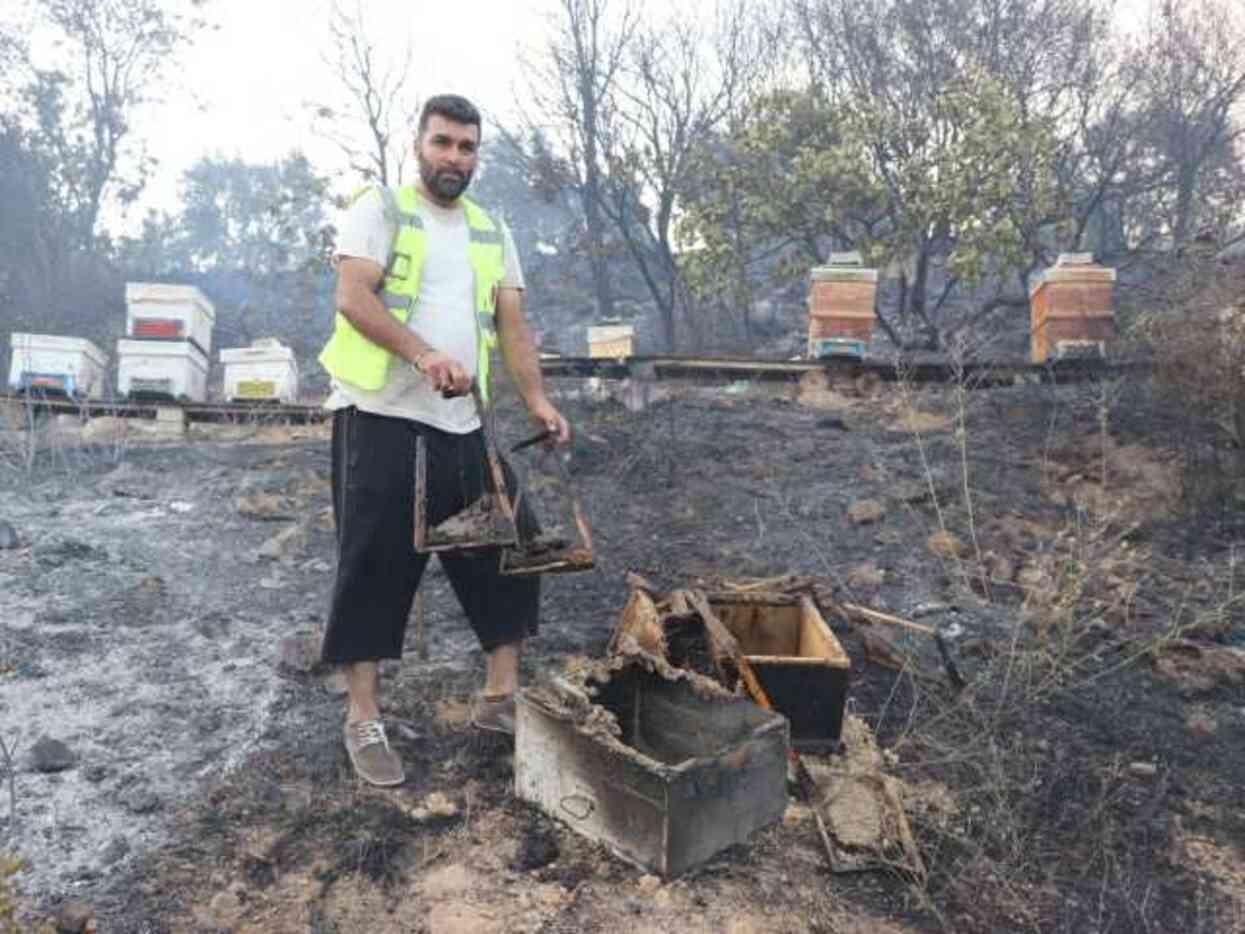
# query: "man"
{"type": "Point", "coordinates": [427, 283]}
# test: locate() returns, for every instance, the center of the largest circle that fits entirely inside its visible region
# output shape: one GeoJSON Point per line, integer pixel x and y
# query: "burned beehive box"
{"type": "Point", "coordinates": [662, 766]}
{"type": "Point", "coordinates": [797, 659]}
{"type": "Point", "coordinates": [794, 655]}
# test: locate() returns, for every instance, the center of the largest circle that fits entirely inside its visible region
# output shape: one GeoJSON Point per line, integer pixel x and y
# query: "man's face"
{"type": "Point", "coordinates": [447, 152]}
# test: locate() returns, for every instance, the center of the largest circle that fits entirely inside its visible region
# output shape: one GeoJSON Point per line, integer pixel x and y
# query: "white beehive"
{"type": "Point", "coordinates": [267, 370]}
{"type": "Point", "coordinates": [161, 369]}
{"type": "Point", "coordinates": [157, 311]}
{"type": "Point", "coordinates": [610, 340]}
{"type": "Point", "coordinates": [72, 366]}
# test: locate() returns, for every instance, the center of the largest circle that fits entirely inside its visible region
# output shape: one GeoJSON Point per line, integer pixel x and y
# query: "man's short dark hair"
{"type": "Point", "coordinates": [452, 107]}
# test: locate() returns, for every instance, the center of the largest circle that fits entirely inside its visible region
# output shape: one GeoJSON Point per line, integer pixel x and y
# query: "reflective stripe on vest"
{"type": "Point", "coordinates": [352, 358]}
{"type": "Point", "coordinates": [485, 236]}
{"type": "Point", "coordinates": [394, 300]}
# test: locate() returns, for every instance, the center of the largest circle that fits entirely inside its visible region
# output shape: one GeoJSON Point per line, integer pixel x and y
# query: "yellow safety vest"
{"type": "Point", "coordinates": [353, 359]}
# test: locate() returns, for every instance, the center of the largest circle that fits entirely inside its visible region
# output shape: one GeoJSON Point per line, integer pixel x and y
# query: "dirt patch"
{"type": "Point", "coordinates": [910, 420]}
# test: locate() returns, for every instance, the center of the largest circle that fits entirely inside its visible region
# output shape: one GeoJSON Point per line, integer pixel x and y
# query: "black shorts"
{"type": "Point", "coordinates": [378, 569]}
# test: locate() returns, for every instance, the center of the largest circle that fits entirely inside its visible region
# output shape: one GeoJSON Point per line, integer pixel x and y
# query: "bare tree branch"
{"type": "Point", "coordinates": [375, 109]}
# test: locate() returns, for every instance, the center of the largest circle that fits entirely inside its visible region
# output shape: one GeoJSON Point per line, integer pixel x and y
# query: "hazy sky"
{"type": "Point", "coordinates": [241, 89]}
{"type": "Point", "coordinates": [250, 78]}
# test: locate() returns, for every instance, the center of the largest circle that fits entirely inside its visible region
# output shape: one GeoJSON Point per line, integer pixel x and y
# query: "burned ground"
{"type": "Point", "coordinates": [160, 611]}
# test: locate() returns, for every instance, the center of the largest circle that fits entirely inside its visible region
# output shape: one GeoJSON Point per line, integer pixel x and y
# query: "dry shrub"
{"type": "Point", "coordinates": [1197, 339]}
{"type": "Point", "coordinates": [1046, 835]}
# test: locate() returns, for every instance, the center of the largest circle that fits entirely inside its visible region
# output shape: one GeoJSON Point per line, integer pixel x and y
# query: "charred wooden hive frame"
{"type": "Point", "coordinates": [534, 555]}
{"type": "Point", "coordinates": [487, 523]}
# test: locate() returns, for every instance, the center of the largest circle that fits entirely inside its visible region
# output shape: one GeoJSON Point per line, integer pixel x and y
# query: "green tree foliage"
{"type": "Point", "coordinates": [68, 150]}
{"type": "Point", "coordinates": [969, 180]}
{"type": "Point", "coordinates": [774, 195]}
{"type": "Point", "coordinates": [260, 219]}
{"type": "Point", "coordinates": [961, 144]}
{"type": "Point", "coordinates": [110, 58]}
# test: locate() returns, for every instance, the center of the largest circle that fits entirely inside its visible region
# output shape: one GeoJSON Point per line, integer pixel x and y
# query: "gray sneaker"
{"type": "Point", "coordinates": [370, 754]}
{"type": "Point", "coordinates": [494, 713]}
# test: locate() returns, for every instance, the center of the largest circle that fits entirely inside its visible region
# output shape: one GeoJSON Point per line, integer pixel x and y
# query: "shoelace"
{"type": "Point", "coordinates": [370, 732]}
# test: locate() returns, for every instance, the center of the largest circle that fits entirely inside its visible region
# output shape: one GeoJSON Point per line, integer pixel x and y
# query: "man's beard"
{"type": "Point", "coordinates": [447, 184]}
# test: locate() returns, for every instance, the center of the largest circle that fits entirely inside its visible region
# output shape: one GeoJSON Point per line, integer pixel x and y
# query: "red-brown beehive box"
{"type": "Point", "coordinates": [840, 305]}
{"type": "Point", "coordinates": [1072, 309]}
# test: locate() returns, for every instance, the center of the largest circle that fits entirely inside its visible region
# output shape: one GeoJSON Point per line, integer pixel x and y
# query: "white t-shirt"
{"type": "Point", "coordinates": [444, 312]}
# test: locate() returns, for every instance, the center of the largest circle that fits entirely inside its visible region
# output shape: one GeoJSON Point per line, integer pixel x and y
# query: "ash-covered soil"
{"type": "Point", "coordinates": [159, 615]}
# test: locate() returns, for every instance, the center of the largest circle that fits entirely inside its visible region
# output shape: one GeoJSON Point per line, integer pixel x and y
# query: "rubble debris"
{"type": "Point", "coordinates": [266, 507]}
{"type": "Point", "coordinates": [865, 578]}
{"type": "Point", "coordinates": [299, 653]}
{"type": "Point", "coordinates": [141, 800]}
{"type": "Point", "coordinates": [1198, 668]}
{"type": "Point", "coordinates": [75, 917]}
{"type": "Point", "coordinates": [335, 682]}
{"type": "Point", "coordinates": [225, 910]}
{"type": "Point", "coordinates": [1201, 723]}
{"type": "Point", "coordinates": [115, 851]}
{"type": "Point", "coordinates": [943, 544]}
{"type": "Point", "coordinates": [287, 544]}
{"type": "Point", "coordinates": [864, 810]}
{"type": "Point", "coordinates": [537, 850]}
{"type": "Point", "coordinates": [648, 884]}
{"type": "Point", "coordinates": [814, 391]}
{"type": "Point", "coordinates": [909, 420]}
{"type": "Point", "coordinates": [866, 511]}
{"type": "Point", "coordinates": [105, 429]}
{"type": "Point", "coordinates": [915, 492]}
{"type": "Point", "coordinates": [51, 755]}
{"type": "Point", "coordinates": [880, 650]}
{"type": "Point", "coordinates": [1222, 865]}
{"type": "Point", "coordinates": [436, 806]}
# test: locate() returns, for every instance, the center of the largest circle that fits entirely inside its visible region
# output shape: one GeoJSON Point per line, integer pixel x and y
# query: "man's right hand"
{"type": "Point", "coordinates": [447, 375]}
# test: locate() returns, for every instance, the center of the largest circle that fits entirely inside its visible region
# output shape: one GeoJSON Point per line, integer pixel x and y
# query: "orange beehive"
{"type": "Point", "coordinates": [840, 304]}
{"type": "Point", "coordinates": [1071, 309]}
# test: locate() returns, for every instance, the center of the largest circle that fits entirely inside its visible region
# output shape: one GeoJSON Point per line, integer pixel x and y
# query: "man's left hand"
{"type": "Point", "coordinates": [550, 419]}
